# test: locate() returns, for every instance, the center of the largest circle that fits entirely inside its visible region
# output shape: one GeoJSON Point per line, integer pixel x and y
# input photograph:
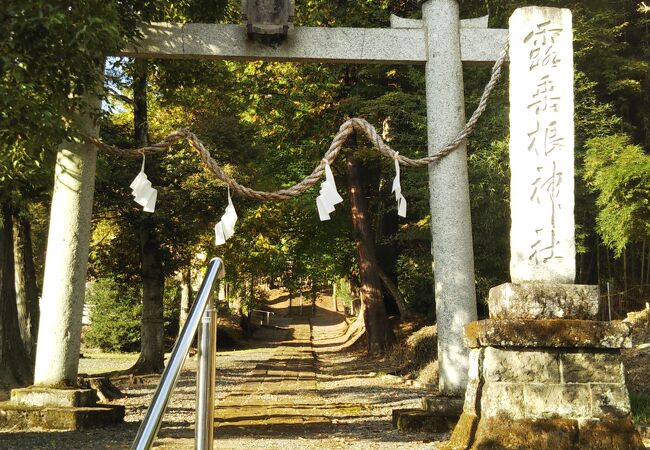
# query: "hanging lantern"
{"type": "Point", "coordinates": [268, 17]}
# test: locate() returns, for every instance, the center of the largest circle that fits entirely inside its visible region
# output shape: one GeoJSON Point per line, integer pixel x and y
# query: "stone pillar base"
{"type": "Point", "coordinates": [557, 434]}
{"type": "Point", "coordinates": [40, 396]}
{"type": "Point", "coordinates": [57, 409]}
{"type": "Point", "coordinates": [546, 384]}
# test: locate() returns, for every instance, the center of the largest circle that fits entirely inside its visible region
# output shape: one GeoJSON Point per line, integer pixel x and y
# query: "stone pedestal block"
{"type": "Point", "coordinates": [555, 333]}
{"type": "Point", "coordinates": [546, 384]}
{"type": "Point", "coordinates": [57, 409]}
{"type": "Point", "coordinates": [443, 406]}
{"type": "Point", "coordinates": [22, 417]}
{"type": "Point", "coordinates": [557, 434]}
{"type": "Point", "coordinates": [536, 300]}
{"type": "Point", "coordinates": [419, 420]}
{"type": "Point", "coordinates": [42, 396]}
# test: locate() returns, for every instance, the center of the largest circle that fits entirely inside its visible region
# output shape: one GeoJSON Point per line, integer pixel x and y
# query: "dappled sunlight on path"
{"type": "Point", "coordinates": [308, 395]}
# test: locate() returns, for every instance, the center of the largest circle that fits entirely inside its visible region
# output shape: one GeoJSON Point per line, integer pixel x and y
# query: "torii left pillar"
{"type": "Point", "coordinates": [55, 401]}
{"type": "Point", "coordinates": [66, 265]}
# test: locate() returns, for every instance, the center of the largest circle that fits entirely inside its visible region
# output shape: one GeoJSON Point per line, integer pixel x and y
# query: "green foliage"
{"type": "Point", "coordinates": [268, 124]}
{"type": "Point", "coordinates": [640, 405]}
{"type": "Point", "coordinates": [415, 281]}
{"type": "Point", "coordinates": [172, 307]}
{"type": "Point", "coordinates": [619, 172]}
{"type": "Point", "coordinates": [344, 292]}
{"type": "Point", "coordinates": [50, 54]}
{"type": "Point", "coordinates": [115, 314]}
{"type": "Point", "coordinates": [490, 202]}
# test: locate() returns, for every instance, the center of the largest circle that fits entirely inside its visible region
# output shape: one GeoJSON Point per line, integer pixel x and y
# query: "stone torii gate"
{"type": "Point", "coordinates": [440, 41]}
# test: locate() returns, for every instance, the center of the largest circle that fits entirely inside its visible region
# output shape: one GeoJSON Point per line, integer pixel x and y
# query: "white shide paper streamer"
{"type": "Point", "coordinates": [328, 195]}
{"type": "Point", "coordinates": [397, 189]}
{"type": "Point", "coordinates": [226, 226]}
{"type": "Point", "coordinates": [142, 192]}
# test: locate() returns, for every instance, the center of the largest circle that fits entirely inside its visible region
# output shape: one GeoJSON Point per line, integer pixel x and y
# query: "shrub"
{"type": "Point", "coordinates": [344, 292]}
{"type": "Point", "coordinates": [115, 311]}
{"type": "Point", "coordinates": [415, 355]}
{"type": "Point", "coordinates": [172, 307]}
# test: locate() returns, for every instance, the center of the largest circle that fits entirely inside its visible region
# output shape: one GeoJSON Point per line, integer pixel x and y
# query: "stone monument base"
{"type": "Point", "coordinates": [556, 434]}
{"type": "Point", "coordinates": [556, 384]}
{"type": "Point", "coordinates": [57, 409]}
{"type": "Point", "coordinates": [437, 415]}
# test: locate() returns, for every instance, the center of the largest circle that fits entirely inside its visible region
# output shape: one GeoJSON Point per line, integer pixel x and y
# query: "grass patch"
{"type": "Point", "coordinates": [640, 404]}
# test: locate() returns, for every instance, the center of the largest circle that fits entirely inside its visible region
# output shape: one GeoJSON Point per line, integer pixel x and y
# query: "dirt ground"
{"type": "Point", "coordinates": [294, 388]}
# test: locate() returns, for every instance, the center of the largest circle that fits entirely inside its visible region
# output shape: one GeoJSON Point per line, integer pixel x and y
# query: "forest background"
{"type": "Point", "coordinates": [268, 124]}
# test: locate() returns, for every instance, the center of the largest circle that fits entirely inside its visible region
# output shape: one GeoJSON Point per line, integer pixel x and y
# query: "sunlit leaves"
{"type": "Point", "coordinates": [619, 173]}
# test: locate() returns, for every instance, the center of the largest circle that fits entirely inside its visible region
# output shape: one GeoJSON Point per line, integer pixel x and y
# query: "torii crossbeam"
{"type": "Point", "coordinates": [403, 43]}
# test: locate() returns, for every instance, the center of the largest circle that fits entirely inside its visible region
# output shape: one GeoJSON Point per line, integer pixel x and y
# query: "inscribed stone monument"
{"type": "Point", "coordinates": [541, 146]}
{"type": "Point", "coordinates": [544, 372]}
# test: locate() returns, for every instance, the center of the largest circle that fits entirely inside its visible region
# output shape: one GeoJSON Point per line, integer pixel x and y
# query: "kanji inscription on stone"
{"type": "Point", "coordinates": [542, 241]}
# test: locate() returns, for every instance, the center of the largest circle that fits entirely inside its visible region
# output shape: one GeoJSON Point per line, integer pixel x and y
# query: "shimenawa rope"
{"type": "Point", "coordinates": [344, 132]}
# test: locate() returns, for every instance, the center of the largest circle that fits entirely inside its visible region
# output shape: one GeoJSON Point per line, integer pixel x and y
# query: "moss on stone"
{"type": "Point", "coordinates": [557, 434]}
{"type": "Point", "coordinates": [463, 435]}
{"type": "Point", "coordinates": [555, 333]}
{"type": "Point", "coordinates": [23, 417]}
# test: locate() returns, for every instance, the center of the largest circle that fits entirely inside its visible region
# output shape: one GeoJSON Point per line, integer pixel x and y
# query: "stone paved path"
{"type": "Point", "coordinates": [280, 396]}
{"type": "Point", "coordinates": [309, 395]}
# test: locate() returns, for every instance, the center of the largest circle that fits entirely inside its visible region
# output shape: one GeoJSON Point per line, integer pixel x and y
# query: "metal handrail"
{"type": "Point", "coordinates": [205, 378]}
{"type": "Point", "coordinates": [152, 420]}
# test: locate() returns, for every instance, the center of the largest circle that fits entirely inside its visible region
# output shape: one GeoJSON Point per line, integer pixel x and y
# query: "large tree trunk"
{"type": "Point", "coordinates": [153, 281]}
{"type": "Point", "coordinates": [392, 288]}
{"type": "Point", "coordinates": [16, 369]}
{"type": "Point", "coordinates": [26, 289]}
{"type": "Point", "coordinates": [378, 330]}
{"type": "Point", "coordinates": [152, 349]}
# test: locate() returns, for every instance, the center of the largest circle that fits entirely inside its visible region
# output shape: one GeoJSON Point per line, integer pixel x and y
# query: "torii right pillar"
{"type": "Point", "coordinates": [543, 372]}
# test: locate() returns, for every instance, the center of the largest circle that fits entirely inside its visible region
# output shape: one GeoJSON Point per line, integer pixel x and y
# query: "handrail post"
{"type": "Point", "coordinates": [151, 422]}
{"type": "Point", "coordinates": [205, 379]}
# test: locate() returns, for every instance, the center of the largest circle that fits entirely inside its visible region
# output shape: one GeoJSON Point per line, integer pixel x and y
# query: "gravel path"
{"type": "Point", "coordinates": [293, 391]}
{"type": "Point", "coordinates": [178, 420]}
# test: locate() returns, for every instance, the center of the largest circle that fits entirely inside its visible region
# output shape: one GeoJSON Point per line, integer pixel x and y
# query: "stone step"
{"type": "Point", "coordinates": [444, 406]}
{"type": "Point", "coordinates": [415, 420]}
{"type": "Point", "coordinates": [22, 417]}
